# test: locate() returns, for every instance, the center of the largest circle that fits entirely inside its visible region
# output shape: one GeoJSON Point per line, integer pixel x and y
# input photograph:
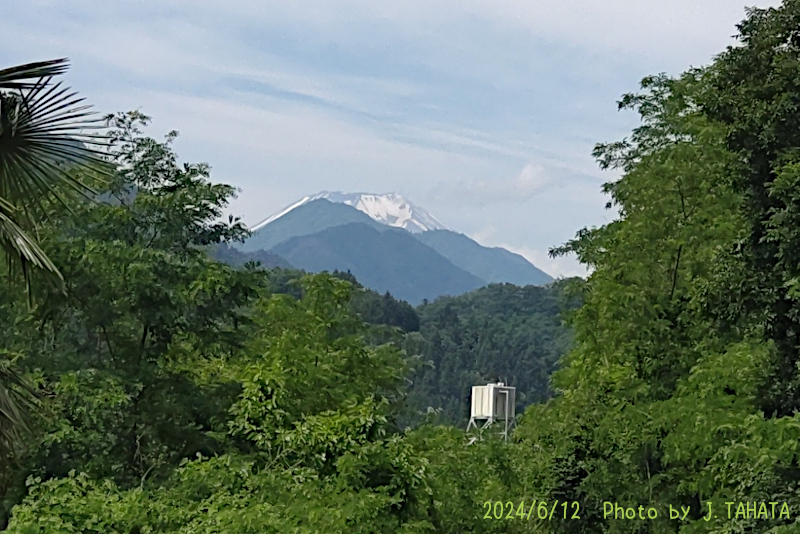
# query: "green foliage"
{"type": "Point", "coordinates": [191, 397]}
{"type": "Point", "coordinates": [44, 149]}
{"type": "Point", "coordinates": [315, 406]}
{"type": "Point", "coordinates": [18, 402]}
{"type": "Point", "coordinates": [314, 345]}
{"type": "Point", "coordinates": [379, 309]}
{"type": "Point", "coordinates": [659, 401]}
{"type": "Point", "coordinates": [500, 332]}
{"type": "Point", "coordinates": [136, 278]}
{"type": "Point", "coordinates": [753, 91]}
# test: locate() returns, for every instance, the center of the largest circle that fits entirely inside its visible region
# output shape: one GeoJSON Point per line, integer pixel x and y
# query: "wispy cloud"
{"type": "Point", "coordinates": [521, 187]}
{"type": "Point", "coordinates": [485, 111]}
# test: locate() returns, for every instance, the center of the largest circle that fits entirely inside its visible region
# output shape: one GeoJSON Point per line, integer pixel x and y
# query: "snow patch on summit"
{"type": "Point", "coordinates": [394, 210]}
{"type": "Point", "coordinates": [390, 209]}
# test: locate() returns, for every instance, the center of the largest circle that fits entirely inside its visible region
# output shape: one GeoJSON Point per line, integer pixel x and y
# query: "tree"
{"type": "Point", "coordinates": [311, 445]}
{"type": "Point", "coordinates": [42, 147]}
{"type": "Point", "coordinates": [754, 91]}
{"type": "Point", "coordinates": [191, 396]}
{"type": "Point", "coordinates": [658, 403]}
{"type": "Point", "coordinates": [136, 279]}
{"type": "Point", "coordinates": [499, 332]}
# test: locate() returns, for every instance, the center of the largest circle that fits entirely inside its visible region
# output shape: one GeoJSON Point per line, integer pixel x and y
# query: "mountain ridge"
{"type": "Point", "coordinates": [397, 263]}
{"type": "Point", "coordinates": [391, 209]}
{"type": "Point", "coordinates": [493, 264]}
{"type": "Point", "coordinates": [304, 219]}
{"type": "Point", "coordinates": [387, 243]}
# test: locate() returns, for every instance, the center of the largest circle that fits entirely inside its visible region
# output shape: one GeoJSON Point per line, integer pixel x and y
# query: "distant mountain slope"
{"type": "Point", "coordinates": [305, 219]}
{"type": "Point", "coordinates": [235, 258]}
{"type": "Point", "coordinates": [387, 260]}
{"type": "Point", "coordinates": [390, 209]}
{"type": "Point", "coordinates": [430, 260]}
{"type": "Point", "coordinates": [495, 265]}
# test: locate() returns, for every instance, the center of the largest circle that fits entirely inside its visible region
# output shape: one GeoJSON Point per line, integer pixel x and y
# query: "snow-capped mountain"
{"type": "Point", "coordinates": [390, 209]}
{"type": "Point", "coordinates": [387, 243]}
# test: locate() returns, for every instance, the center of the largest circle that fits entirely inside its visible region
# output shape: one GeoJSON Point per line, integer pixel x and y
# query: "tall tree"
{"type": "Point", "coordinates": [754, 89]}
{"type": "Point", "coordinates": [657, 404]}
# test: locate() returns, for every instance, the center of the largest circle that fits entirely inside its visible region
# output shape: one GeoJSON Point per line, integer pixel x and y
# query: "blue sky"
{"type": "Point", "coordinates": [485, 113]}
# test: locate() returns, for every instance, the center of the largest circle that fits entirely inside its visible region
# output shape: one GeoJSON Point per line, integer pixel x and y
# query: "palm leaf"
{"type": "Point", "coordinates": [19, 246]}
{"type": "Point", "coordinates": [47, 134]}
{"type": "Point", "coordinates": [13, 77]}
{"type": "Point", "coordinates": [18, 400]}
{"type": "Point", "coordinates": [43, 136]}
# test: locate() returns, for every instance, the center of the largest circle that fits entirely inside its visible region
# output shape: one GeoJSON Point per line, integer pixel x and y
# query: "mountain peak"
{"type": "Point", "coordinates": [390, 209]}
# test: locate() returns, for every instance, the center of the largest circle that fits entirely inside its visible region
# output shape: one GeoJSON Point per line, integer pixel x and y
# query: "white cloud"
{"type": "Point", "coordinates": [531, 181]}
{"type": "Point", "coordinates": [677, 32]}
{"type": "Point", "coordinates": [266, 127]}
{"type": "Point", "coordinates": [485, 234]}
{"type": "Point", "coordinates": [488, 109]}
{"type": "Point", "coordinates": [280, 151]}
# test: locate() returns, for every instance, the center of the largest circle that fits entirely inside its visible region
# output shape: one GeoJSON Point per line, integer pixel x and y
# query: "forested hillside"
{"type": "Point", "coordinates": [501, 332]}
{"type": "Point", "coordinates": [147, 388]}
{"type": "Point", "coordinates": [226, 254]}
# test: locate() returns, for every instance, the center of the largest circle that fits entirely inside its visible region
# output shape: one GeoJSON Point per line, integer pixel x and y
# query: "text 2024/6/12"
{"type": "Point", "coordinates": [537, 510]}
{"type": "Point", "coordinates": [543, 510]}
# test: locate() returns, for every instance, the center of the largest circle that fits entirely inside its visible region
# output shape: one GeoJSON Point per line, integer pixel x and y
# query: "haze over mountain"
{"type": "Point", "coordinates": [493, 264]}
{"type": "Point", "coordinates": [389, 244]}
{"type": "Point", "coordinates": [387, 259]}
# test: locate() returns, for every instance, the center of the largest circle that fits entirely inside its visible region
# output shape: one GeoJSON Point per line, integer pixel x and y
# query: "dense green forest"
{"type": "Point", "coordinates": [498, 333]}
{"type": "Point", "coordinates": [501, 332]}
{"type": "Point", "coordinates": [147, 387]}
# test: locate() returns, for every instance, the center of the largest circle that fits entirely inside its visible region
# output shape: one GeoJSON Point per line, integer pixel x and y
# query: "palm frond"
{"type": "Point", "coordinates": [43, 135]}
{"type": "Point", "coordinates": [19, 246]}
{"type": "Point", "coordinates": [14, 77]}
{"type": "Point", "coordinates": [18, 401]}
{"type": "Point", "coordinates": [48, 138]}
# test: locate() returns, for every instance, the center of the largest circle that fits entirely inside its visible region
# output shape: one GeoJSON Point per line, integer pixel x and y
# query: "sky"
{"type": "Point", "coordinates": [484, 113]}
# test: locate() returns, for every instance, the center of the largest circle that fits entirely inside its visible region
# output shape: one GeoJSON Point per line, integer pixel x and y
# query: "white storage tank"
{"type": "Point", "coordinates": [493, 402]}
